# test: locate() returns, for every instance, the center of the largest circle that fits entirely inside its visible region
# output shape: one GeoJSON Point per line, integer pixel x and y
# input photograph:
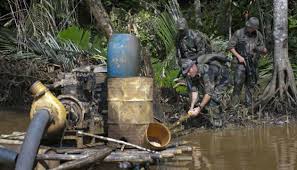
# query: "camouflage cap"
{"type": "Point", "coordinates": [186, 65]}
{"type": "Point", "coordinates": [253, 22]}
{"type": "Point", "coordinates": [182, 24]}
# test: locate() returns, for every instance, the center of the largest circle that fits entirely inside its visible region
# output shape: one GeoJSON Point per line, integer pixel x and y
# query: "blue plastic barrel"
{"type": "Point", "coordinates": [123, 56]}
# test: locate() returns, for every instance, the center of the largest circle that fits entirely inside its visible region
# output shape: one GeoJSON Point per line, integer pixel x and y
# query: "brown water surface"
{"type": "Point", "coordinates": [13, 120]}
{"type": "Point", "coordinates": [267, 147]}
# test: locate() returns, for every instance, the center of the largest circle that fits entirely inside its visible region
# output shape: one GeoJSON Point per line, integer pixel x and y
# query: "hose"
{"type": "Point", "coordinates": [7, 157]}
{"type": "Point", "coordinates": [39, 123]}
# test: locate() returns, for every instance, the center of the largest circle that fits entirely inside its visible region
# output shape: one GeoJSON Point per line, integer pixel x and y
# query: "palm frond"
{"type": "Point", "coordinates": [48, 49]}
{"type": "Point", "coordinates": [166, 31]}
{"type": "Point", "coordinates": [165, 28]}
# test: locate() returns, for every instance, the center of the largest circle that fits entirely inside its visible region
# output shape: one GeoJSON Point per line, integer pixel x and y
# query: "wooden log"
{"type": "Point", "coordinates": [69, 151]}
{"type": "Point", "coordinates": [10, 142]}
{"type": "Point", "coordinates": [92, 158]}
{"type": "Point", "coordinates": [64, 157]}
{"type": "Point", "coordinates": [133, 151]}
{"type": "Point", "coordinates": [175, 151]}
{"type": "Point", "coordinates": [185, 148]}
{"type": "Point", "coordinates": [167, 155]}
{"type": "Point", "coordinates": [118, 156]}
{"type": "Point", "coordinates": [160, 155]}
{"type": "Point", "coordinates": [75, 150]}
{"type": "Point", "coordinates": [14, 135]}
{"type": "Point", "coordinates": [21, 138]}
{"type": "Point", "coordinates": [182, 158]}
{"type": "Point", "coordinates": [46, 164]}
{"type": "Point", "coordinates": [129, 157]}
{"type": "Point", "coordinates": [175, 144]}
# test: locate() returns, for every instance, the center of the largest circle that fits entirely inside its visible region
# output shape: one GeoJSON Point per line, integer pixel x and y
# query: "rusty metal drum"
{"type": "Point", "coordinates": [130, 108]}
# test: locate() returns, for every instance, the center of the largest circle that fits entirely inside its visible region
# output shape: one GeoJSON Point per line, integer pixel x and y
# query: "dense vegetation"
{"type": "Point", "coordinates": [52, 36]}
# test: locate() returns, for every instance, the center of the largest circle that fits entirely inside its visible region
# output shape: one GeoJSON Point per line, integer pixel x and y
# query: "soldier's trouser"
{"type": "Point", "coordinates": [240, 79]}
{"type": "Point", "coordinates": [216, 115]}
{"type": "Point", "coordinates": [215, 108]}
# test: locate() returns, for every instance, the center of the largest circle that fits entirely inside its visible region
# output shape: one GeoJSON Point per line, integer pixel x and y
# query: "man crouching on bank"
{"type": "Point", "coordinates": [213, 81]}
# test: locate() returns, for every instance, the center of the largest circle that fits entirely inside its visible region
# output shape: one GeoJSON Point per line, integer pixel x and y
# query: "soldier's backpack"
{"type": "Point", "coordinates": [218, 59]}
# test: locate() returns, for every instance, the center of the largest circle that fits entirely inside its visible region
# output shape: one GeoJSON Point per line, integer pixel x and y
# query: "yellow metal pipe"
{"type": "Point", "coordinates": [44, 99]}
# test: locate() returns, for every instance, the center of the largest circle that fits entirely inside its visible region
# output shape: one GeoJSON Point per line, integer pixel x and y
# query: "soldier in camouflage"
{"type": "Point", "coordinates": [190, 44]}
{"type": "Point", "coordinates": [213, 81]}
{"type": "Point", "coordinates": [252, 42]}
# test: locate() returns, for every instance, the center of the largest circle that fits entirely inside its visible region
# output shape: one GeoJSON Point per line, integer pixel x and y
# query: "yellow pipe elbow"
{"type": "Point", "coordinates": [44, 99]}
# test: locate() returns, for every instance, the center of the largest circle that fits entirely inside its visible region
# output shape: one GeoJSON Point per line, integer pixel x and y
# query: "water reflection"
{"type": "Point", "coordinates": [247, 148]}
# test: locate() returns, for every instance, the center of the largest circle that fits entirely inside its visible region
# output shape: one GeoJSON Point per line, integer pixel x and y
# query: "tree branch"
{"type": "Point", "coordinates": [102, 19]}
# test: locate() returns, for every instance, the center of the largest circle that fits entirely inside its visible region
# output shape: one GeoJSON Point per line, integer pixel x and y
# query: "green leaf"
{"type": "Point", "coordinates": [77, 36]}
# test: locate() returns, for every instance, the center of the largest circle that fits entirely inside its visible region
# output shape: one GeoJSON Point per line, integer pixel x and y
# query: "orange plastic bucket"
{"type": "Point", "coordinates": [157, 136]}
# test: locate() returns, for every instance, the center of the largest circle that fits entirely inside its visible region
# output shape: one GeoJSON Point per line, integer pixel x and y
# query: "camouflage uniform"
{"type": "Point", "coordinates": [193, 44]}
{"type": "Point", "coordinates": [253, 42]}
{"type": "Point", "coordinates": [212, 80]}
{"type": "Point", "coordinates": [190, 44]}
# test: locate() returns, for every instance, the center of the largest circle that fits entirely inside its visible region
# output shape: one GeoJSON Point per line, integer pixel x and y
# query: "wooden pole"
{"type": "Point", "coordinates": [116, 141]}
{"type": "Point", "coordinates": [181, 120]}
{"type": "Point", "coordinates": [14, 134]}
{"type": "Point", "coordinates": [92, 158]}
{"type": "Point", "coordinates": [62, 157]}
{"type": "Point", "coordinates": [12, 142]}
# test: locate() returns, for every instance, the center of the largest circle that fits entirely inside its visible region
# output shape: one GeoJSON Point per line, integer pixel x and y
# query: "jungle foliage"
{"type": "Point", "coordinates": [56, 36]}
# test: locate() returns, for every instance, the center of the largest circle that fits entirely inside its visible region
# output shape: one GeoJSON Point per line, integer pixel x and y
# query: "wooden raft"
{"type": "Point", "coordinates": [77, 158]}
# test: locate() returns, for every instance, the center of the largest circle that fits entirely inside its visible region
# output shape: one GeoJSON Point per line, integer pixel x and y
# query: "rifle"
{"type": "Point", "coordinates": [250, 66]}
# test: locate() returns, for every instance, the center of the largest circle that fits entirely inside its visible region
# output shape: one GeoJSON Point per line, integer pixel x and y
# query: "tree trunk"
{"type": "Point", "coordinates": [148, 67]}
{"type": "Point", "coordinates": [198, 14]}
{"type": "Point", "coordinates": [230, 20]}
{"type": "Point", "coordinates": [260, 11]}
{"type": "Point", "coordinates": [102, 19]}
{"type": "Point", "coordinates": [281, 93]}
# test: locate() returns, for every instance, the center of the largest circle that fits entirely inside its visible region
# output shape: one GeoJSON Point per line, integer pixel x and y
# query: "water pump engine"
{"type": "Point", "coordinates": [83, 92]}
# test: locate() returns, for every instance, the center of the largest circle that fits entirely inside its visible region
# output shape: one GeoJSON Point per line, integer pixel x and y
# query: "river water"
{"type": "Point", "coordinates": [266, 147]}
{"type": "Point", "coordinates": [13, 120]}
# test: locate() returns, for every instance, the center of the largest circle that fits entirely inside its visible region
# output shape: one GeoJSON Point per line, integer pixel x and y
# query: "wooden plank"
{"type": "Point", "coordinates": [92, 158]}
{"type": "Point", "coordinates": [128, 157]}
